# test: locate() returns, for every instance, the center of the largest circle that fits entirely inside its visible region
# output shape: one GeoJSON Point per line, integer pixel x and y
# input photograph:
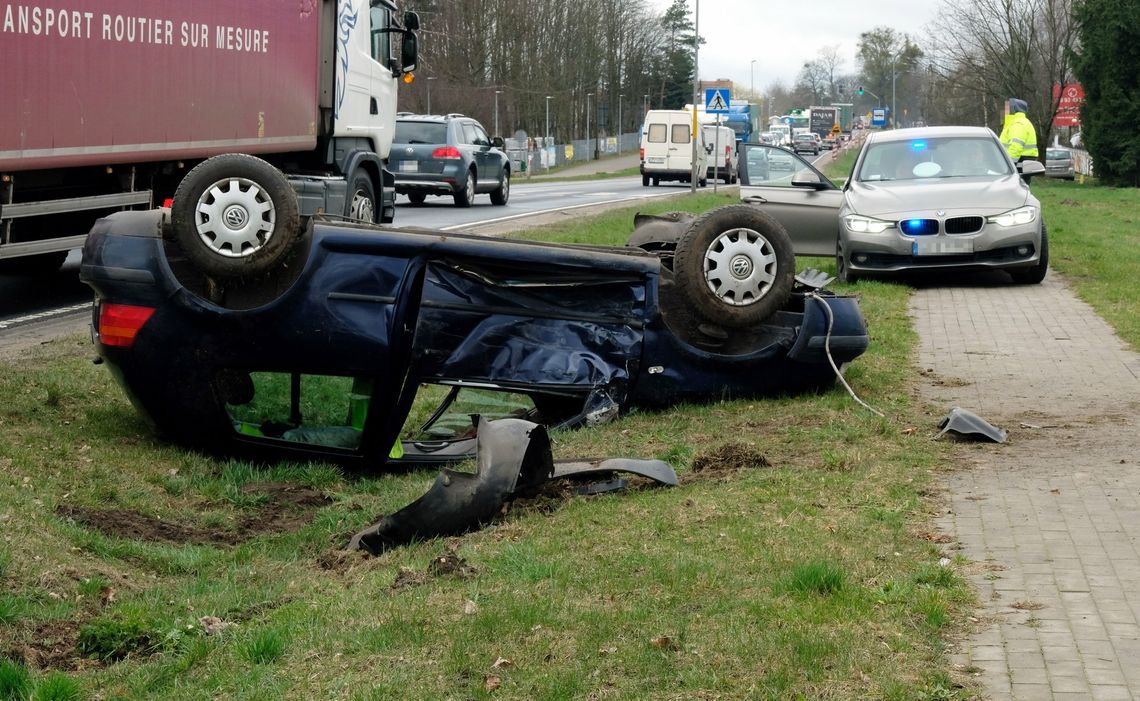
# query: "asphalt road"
{"type": "Point", "coordinates": [33, 309]}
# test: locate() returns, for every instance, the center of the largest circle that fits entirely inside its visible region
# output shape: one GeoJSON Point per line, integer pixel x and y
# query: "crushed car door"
{"type": "Point", "coordinates": [800, 197]}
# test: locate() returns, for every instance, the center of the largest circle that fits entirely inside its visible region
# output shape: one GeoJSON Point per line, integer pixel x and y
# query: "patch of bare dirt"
{"type": "Point", "coordinates": [728, 459]}
{"type": "Point", "coordinates": [447, 564]}
{"type": "Point", "coordinates": [51, 645]}
{"type": "Point", "coordinates": [287, 508]}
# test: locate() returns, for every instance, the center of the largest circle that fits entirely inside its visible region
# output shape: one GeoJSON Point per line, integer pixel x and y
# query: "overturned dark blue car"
{"type": "Point", "coordinates": [372, 345]}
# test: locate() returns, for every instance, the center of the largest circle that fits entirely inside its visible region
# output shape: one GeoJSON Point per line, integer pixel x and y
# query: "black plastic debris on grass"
{"type": "Point", "coordinates": [513, 458]}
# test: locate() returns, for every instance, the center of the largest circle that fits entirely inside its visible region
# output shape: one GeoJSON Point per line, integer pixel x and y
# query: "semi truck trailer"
{"type": "Point", "coordinates": [108, 106]}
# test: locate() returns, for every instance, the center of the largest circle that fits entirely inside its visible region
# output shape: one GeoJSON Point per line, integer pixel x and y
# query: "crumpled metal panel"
{"type": "Point", "coordinates": [483, 325]}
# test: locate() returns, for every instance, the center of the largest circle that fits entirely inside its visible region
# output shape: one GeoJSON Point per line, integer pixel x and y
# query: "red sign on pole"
{"type": "Point", "coordinates": [1069, 108]}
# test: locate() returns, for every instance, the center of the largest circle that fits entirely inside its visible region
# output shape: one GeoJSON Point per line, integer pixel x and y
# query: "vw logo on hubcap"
{"type": "Point", "coordinates": [741, 267]}
{"type": "Point", "coordinates": [235, 216]}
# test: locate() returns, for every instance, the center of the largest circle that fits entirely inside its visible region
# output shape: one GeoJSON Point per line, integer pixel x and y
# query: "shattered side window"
{"type": "Point", "coordinates": [442, 413]}
{"type": "Point", "coordinates": [314, 409]}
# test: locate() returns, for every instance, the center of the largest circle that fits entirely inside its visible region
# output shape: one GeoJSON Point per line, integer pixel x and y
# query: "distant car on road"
{"type": "Point", "coordinates": [806, 143]}
{"type": "Point", "coordinates": [449, 155]}
{"type": "Point", "coordinates": [946, 198]}
{"type": "Point", "coordinates": [1059, 164]}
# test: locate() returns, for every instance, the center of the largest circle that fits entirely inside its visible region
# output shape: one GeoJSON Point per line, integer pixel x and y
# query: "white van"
{"type": "Point", "coordinates": [667, 149]}
{"type": "Point", "coordinates": [720, 142]}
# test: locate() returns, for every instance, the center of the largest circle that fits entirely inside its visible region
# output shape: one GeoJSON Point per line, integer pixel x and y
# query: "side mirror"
{"type": "Point", "coordinates": [411, 21]}
{"type": "Point", "coordinates": [806, 178]}
{"type": "Point", "coordinates": [1030, 168]}
{"type": "Point", "coordinates": [498, 142]}
{"type": "Point", "coordinates": [409, 52]}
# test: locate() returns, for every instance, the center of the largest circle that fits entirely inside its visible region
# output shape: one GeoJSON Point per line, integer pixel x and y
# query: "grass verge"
{"type": "Point", "coordinates": [804, 575]}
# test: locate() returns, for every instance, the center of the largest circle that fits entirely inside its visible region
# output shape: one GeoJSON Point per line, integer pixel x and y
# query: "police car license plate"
{"type": "Point", "coordinates": [941, 246]}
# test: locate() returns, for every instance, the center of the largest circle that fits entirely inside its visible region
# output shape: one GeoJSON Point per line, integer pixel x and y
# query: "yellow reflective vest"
{"type": "Point", "coordinates": [1019, 137]}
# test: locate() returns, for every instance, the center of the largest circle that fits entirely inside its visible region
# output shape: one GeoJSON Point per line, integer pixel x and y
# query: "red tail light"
{"type": "Point", "coordinates": [168, 202]}
{"type": "Point", "coordinates": [445, 152]}
{"type": "Point", "coordinates": [120, 323]}
{"type": "Point", "coordinates": [641, 153]}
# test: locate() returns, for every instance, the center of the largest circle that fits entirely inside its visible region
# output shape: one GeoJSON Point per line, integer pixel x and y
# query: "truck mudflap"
{"type": "Point", "coordinates": [512, 458]}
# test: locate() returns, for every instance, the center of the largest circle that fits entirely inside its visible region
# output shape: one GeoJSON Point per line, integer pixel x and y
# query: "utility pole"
{"type": "Point", "coordinates": [620, 96]}
{"type": "Point", "coordinates": [696, 90]}
{"type": "Point", "coordinates": [497, 93]}
{"type": "Point", "coordinates": [429, 79]}
{"type": "Point", "coordinates": [589, 154]}
{"type": "Point", "coordinates": [545, 160]}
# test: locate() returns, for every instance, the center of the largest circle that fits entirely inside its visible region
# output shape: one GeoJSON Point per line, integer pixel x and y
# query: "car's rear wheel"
{"type": "Point", "coordinates": [417, 198]}
{"type": "Point", "coordinates": [465, 196]}
{"type": "Point", "coordinates": [235, 216]}
{"type": "Point", "coordinates": [645, 181]}
{"type": "Point", "coordinates": [735, 265]}
{"type": "Point", "coordinates": [502, 193]}
{"type": "Point", "coordinates": [1034, 275]}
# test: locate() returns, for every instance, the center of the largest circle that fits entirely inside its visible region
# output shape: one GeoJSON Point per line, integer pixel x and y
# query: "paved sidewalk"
{"type": "Point", "coordinates": [610, 164]}
{"type": "Point", "coordinates": [1051, 518]}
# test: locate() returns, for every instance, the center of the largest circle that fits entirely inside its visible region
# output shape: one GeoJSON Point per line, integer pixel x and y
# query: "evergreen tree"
{"type": "Point", "coordinates": [1108, 66]}
{"type": "Point", "coordinates": [680, 38]}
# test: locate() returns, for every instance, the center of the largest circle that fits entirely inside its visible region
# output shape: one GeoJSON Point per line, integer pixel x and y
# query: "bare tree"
{"type": "Point", "coordinates": [831, 63]}
{"type": "Point", "coordinates": [997, 49]}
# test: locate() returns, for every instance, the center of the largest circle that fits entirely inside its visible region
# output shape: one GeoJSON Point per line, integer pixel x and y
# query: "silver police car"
{"type": "Point", "coordinates": [925, 198]}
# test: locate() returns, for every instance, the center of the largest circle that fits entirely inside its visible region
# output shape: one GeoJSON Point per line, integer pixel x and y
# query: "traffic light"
{"type": "Point", "coordinates": [860, 90]}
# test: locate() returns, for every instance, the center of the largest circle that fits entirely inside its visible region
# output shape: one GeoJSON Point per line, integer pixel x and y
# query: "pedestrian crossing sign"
{"type": "Point", "coordinates": [717, 100]}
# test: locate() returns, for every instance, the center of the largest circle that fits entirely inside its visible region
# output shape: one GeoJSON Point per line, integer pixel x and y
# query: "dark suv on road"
{"type": "Point", "coordinates": [448, 155]}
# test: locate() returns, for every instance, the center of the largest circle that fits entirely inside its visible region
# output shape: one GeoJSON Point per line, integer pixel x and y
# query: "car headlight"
{"type": "Point", "coordinates": [1016, 217]}
{"type": "Point", "coordinates": [866, 225]}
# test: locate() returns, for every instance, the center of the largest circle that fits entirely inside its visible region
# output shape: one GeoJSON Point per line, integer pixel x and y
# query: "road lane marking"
{"type": "Point", "coordinates": [536, 212]}
{"type": "Point", "coordinates": [46, 314]}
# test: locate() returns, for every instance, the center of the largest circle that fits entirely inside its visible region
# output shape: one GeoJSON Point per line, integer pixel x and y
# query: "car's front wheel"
{"type": "Point", "coordinates": [842, 269]}
{"type": "Point", "coordinates": [1034, 275]}
{"type": "Point", "coordinates": [735, 265]}
{"type": "Point", "coordinates": [466, 195]}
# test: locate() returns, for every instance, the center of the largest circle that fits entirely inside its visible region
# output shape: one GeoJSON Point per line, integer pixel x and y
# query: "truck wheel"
{"type": "Point", "coordinates": [361, 203]}
{"type": "Point", "coordinates": [645, 181]}
{"type": "Point", "coordinates": [500, 195]}
{"type": "Point", "coordinates": [417, 198]}
{"type": "Point", "coordinates": [234, 216]}
{"type": "Point", "coordinates": [735, 266]}
{"type": "Point", "coordinates": [466, 196]}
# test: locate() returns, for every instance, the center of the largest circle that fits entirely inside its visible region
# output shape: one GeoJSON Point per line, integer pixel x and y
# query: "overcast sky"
{"type": "Point", "coordinates": [781, 36]}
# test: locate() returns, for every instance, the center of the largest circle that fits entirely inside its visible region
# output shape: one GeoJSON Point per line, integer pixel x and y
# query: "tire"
{"type": "Point", "coordinates": [842, 271]}
{"type": "Point", "coordinates": [417, 198]}
{"type": "Point", "coordinates": [645, 181]}
{"type": "Point", "coordinates": [39, 265]}
{"type": "Point", "coordinates": [735, 266]}
{"type": "Point", "coordinates": [500, 195]}
{"type": "Point", "coordinates": [656, 182]}
{"type": "Point", "coordinates": [1034, 275]}
{"type": "Point", "coordinates": [235, 216]}
{"type": "Point", "coordinates": [464, 197]}
{"type": "Point", "coordinates": [360, 205]}
{"type": "Point", "coordinates": [703, 182]}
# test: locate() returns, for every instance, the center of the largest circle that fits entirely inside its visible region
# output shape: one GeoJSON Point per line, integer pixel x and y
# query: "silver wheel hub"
{"type": "Point", "coordinates": [235, 217]}
{"type": "Point", "coordinates": [740, 266]}
{"type": "Point", "coordinates": [362, 208]}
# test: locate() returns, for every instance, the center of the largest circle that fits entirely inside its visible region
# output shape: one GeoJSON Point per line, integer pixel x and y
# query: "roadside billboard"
{"type": "Point", "coordinates": [1069, 108]}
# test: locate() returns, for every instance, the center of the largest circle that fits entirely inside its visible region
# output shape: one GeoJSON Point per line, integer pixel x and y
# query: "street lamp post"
{"type": "Point", "coordinates": [589, 153]}
{"type": "Point", "coordinates": [547, 161]}
{"type": "Point", "coordinates": [620, 96]}
{"type": "Point", "coordinates": [644, 104]}
{"type": "Point", "coordinates": [429, 79]}
{"type": "Point", "coordinates": [752, 85]}
{"type": "Point", "coordinates": [497, 93]}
